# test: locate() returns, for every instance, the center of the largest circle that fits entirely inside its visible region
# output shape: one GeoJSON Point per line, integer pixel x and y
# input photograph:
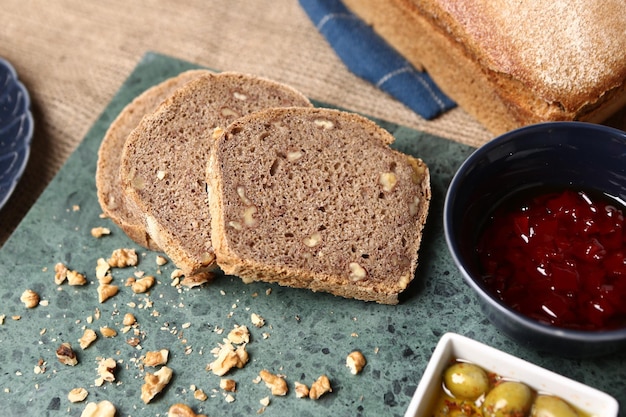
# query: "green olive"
{"type": "Point", "coordinates": [508, 399]}
{"type": "Point", "coordinates": [466, 380]}
{"type": "Point", "coordinates": [550, 406]}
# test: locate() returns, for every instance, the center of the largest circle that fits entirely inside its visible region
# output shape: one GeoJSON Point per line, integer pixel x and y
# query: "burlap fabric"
{"type": "Point", "coordinates": [73, 56]}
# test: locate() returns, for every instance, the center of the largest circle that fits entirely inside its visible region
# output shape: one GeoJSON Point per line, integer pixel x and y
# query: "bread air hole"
{"type": "Point", "coordinates": [274, 167]}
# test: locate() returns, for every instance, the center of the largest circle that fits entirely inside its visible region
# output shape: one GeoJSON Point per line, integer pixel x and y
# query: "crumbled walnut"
{"type": "Point", "coordinates": [414, 206]}
{"type": "Point", "coordinates": [248, 216]}
{"type": "Point", "coordinates": [228, 358]}
{"type": "Point", "coordinates": [66, 354]}
{"type": "Point", "coordinates": [324, 124]}
{"type": "Point", "coordinates": [133, 341]}
{"type": "Point", "coordinates": [357, 272]}
{"type": "Point", "coordinates": [98, 232]}
{"type": "Point", "coordinates": [182, 410]}
{"type": "Point", "coordinates": [121, 258]}
{"type": "Point", "coordinates": [355, 361]}
{"type": "Point", "coordinates": [102, 268]}
{"type": "Point", "coordinates": [241, 192]}
{"type": "Point", "coordinates": [89, 336]}
{"type": "Point", "coordinates": [199, 395]}
{"type": "Point", "coordinates": [265, 401]}
{"type": "Point", "coordinates": [60, 273]}
{"type": "Point", "coordinates": [228, 385]}
{"type": "Point", "coordinates": [320, 387]}
{"type": "Point", "coordinates": [106, 369]}
{"type": "Point", "coordinates": [30, 298]}
{"type": "Point", "coordinates": [198, 279]}
{"type": "Point", "coordinates": [107, 331]}
{"type": "Point", "coordinates": [313, 240]}
{"type": "Point", "coordinates": [388, 181]}
{"type": "Point", "coordinates": [143, 284]}
{"type": "Point", "coordinates": [161, 260]}
{"type": "Point", "coordinates": [294, 155]}
{"type": "Point", "coordinates": [239, 335]}
{"type": "Point", "coordinates": [302, 391]}
{"type": "Point", "coordinates": [228, 112]}
{"type": "Point", "coordinates": [155, 383]}
{"type": "Point", "coordinates": [75, 278]}
{"type": "Point", "coordinates": [156, 358]}
{"type": "Point", "coordinates": [102, 409]}
{"type": "Point", "coordinates": [217, 132]}
{"type": "Point", "coordinates": [257, 320]}
{"type": "Point", "coordinates": [129, 319]}
{"type": "Point", "coordinates": [77, 395]}
{"type": "Point", "coordinates": [106, 291]}
{"type": "Point", "coordinates": [275, 383]}
{"type": "Point", "coordinates": [229, 398]}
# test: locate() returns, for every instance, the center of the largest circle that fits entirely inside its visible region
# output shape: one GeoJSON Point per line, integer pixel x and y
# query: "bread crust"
{"type": "Point", "coordinates": [164, 158]}
{"type": "Point", "coordinates": [288, 251]}
{"type": "Point", "coordinates": [111, 197]}
{"type": "Point", "coordinates": [513, 63]}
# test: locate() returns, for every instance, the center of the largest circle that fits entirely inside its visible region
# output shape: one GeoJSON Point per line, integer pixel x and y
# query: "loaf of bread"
{"type": "Point", "coordinates": [511, 63]}
{"type": "Point", "coordinates": [109, 188]}
{"type": "Point", "coordinates": [315, 198]}
{"type": "Point", "coordinates": [163, 164]}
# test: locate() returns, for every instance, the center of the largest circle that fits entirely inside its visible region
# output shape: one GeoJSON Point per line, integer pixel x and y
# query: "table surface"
{"type": "Point", "coordinates": [306, 334]}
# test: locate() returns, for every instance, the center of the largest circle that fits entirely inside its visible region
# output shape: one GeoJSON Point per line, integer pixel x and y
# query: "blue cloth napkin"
{"type": "Point", "coordinates": [368, 56]}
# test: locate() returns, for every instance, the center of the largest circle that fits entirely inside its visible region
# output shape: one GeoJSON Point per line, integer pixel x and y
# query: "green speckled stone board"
{"type": "Point", "coordinates": [306, 334]}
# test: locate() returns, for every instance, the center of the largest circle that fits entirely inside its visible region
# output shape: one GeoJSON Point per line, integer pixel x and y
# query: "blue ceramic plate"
{"type": "Point", "coordinates": [16, 130]}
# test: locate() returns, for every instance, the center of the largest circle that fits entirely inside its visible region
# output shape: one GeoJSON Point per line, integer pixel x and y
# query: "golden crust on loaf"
{"type": "Point", "coordinates": [512, 63]}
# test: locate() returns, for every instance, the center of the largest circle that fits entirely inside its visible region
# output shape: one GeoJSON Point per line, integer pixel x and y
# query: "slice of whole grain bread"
{"type": "Point", "coordinates": [109, 188]}
{"type": "Point", "coordinates": [164, 159]}
{"type": "Point", "coordinates": [315, 198]}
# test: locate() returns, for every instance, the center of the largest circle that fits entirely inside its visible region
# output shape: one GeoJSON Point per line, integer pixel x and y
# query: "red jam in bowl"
{"type": "Point", "coordinates": [558, 257]}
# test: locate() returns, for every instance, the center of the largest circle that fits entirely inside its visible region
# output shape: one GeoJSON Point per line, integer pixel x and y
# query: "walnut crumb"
{"type": "Point", "coordinates": [156, 358]}
{"type": "Point", "coordinates": [257, 320]}
{"type": "Point", "coordinates": [30, 298]}
{"type": "Point", "coordinates": [102, 409]}
{"type": "Point", "coordinates": [155, 383]}
{"type": "Point", "coordinates": [228, 385]}
{"type": "Point", "coordinates": [182, 410]}
{"type": "Point", "coordinates": [106, 291]}
{"type": "Point", "coordinates": [98, 232]}
{"type": "Point", "coordinates": [355, 361]}
{"type": "Point", "coordinates": [77, 395]}
{"type": "Point", "coordinates": [107, 331]}
{"type": "Point", "coordinates": [302, 391]}
{"type": "Point", "coordinates": [66, 354]}
{"type": "Point", "coordinates": [320, 387]}
{"type": "Point", "coordinates": [106, 371]}
{"type": "Point", "coordinates": [143, 284]}
{"type": "Point", "coordinates": [121, 258]}
{"type": "Point", "coordinates": [200, 395]}
{"type": "Point", "coordinates": [275, 383]}
{"type": "Point", "coordinates": [89, 336]}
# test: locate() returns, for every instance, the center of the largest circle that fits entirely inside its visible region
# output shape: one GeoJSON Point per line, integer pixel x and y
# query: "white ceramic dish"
{"type": "Point", "coordinates": [453, 346]}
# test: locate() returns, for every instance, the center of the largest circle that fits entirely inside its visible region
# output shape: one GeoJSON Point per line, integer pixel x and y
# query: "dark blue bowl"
{"type": "Point", "coordinates": [555, 154]}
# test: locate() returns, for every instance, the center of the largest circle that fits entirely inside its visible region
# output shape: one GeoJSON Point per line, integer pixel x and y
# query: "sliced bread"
{"type": "Point", "coordinates": [109, 189]}
{"type": "Point", "coordinates": [163, 163]}
{"type": "Point", "coordinates": [315, 198]}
